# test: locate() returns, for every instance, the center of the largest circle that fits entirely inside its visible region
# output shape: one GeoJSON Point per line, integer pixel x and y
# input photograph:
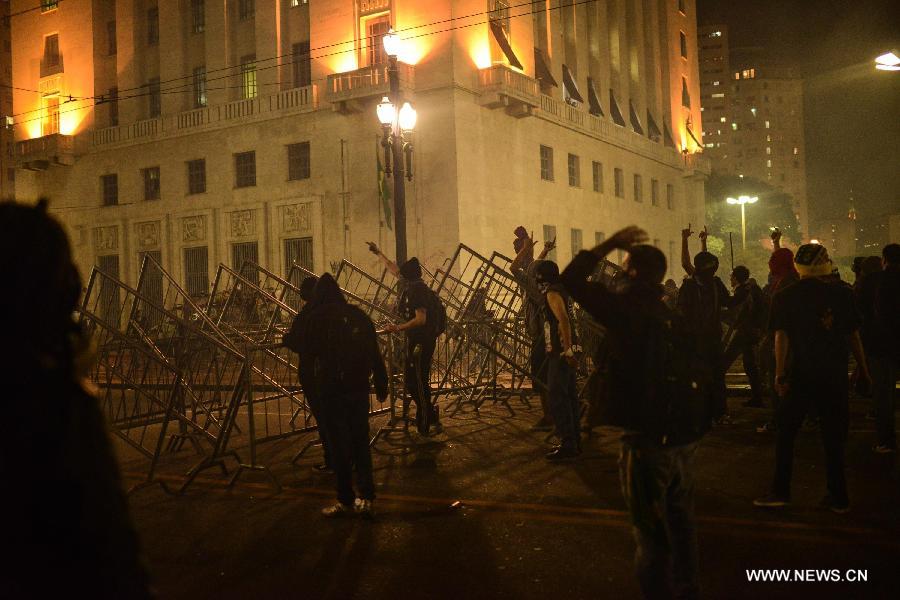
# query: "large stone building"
{"type": "Point", "coordinates": [753, 117]}
{"type": "Point", "coordinates": [209, 132]}
{"type": "Point", "coordinates": [7, 171]}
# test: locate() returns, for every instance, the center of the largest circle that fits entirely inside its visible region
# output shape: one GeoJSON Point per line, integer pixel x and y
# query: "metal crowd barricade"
{"type": "Point", "coordinates": [155, 367]}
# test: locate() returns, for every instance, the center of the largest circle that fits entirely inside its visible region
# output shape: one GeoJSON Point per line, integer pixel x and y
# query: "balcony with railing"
{"type": "Point", "coordinates": [696, 165]}
{"type": "Point", "coordinates": [38, 154]}
{"type": "Point", "coordinates": [280, 104]}
{"type": "Point", "coordinates": [349, 91]}
{"type": "Point", "coordinates": [502, 87]}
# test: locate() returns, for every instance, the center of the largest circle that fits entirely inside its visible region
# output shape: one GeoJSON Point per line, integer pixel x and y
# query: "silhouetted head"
{"type": "Point", "coordinates": [411, 269]}
{"type": "Point", "coordinates": [646, 264]}
{"type": "Point", "coordinates": [781, 263]}
{"type": "Point", "coordinates": [890, 256]}
{"type": "Point", "coordinates": [546, 273]}
{"type": "Point", "coordinates": [307, 287]}
{"type": "Point", "coordinates": [740, 274]}
{"type": "Point", "coordinates": [327, 291]}
{"type": "Point", "coordinates": [870, 265]}
{"type": "Point", "coordinates": [812, 260]}
{"type": "Point", "coordinates": [706, 265]}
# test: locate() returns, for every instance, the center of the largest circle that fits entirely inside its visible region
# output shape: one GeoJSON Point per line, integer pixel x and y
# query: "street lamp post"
{"type": "Point", "coordinates": [395, 127]}
{"type": "Point", "coordinates": [743, 201]}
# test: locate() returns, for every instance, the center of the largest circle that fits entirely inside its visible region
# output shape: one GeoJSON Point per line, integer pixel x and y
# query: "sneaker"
{"type": "Point", "coordinates": [561, 453]}
{"type": "Point", "coordinates": [364, 509]}
{"type": "Point", "coordinates": [766, 428]}
{"type": "Point", "coordinates": [884, 449]}
{"type": "Point", "coordinates": [838, 509]}
{"type": "Point", "coordinates": [771, 501]}
{"type": "Point", "coordinates": [337, 510]}
{"type": "Point", "coordinates": [542, 425]}
{"type": "Point", "coordinates": [323, 468]}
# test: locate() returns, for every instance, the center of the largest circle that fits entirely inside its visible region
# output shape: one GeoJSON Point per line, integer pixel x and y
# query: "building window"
{"type": "Point", "coordinates": [109, 188]}
{"type": "Point", "coordinates": [196, 271]}
{"type": "Point", "coordinates": [301, 64]}
{"type": "Point", "coordinates": [48, 5]}
{"type": "Point", "coordinates": [153, 26]}
{"type": "Point", "coordinates": [768, 125]}
{"type": "Point", "coordinates": [574, 171]}
{"type": "Point", "coordinates": [638, 188]}
{"type": "Point", "coordinates": [248, 76]}
{"type": "Point", "coordinates": [198, 16]}
{"type": "Point", "coordinates": [154, 98]}
{"type": "Point", "coordinates": [199, 85]}
{"type": "Point", "coordinates": [654, 192]}
{"type": "Point", "coordinates": [113, 106]}
{"type": "Point", "coordinates": [550, 236]}
{"type": "Point", "coordinates": [245, 169]}
{"type": "Point", "coordinates": [599, 238]}
{"type": "Point", "coordinates": [52, 62]}
{"type": "Point", "coordinates": [244, 252]}
{"type": "Point", "coordinates": [151, 183]}
{"type": "Point", "coordinates": [50, 121]}
{"type": "Point", "coordinates": [682, 10]}
{"type": "Point", "coordinates": [796, 150]}
{"type": "Point", "coordinates": [376, 28]}
{"type": "Point", "coordinates": [670, 196]}
{"type": "Point", "coordinates": [597, 169]}
{"type": "Point", "coordinates": [686, 94]}
{"type": "Point", "coordinates": [296, 3]}
{"type": "Point", "coordinates": [298, 161]}
{"type": "Point", "coordinates": [300, 251]}
{"type": "Point", "coordinates": [619, 180]}
{"type": "Point", "coordinates": [683, 40]}
{"type": "Point", "coordinates": [577, 242]}
{"type": "Point", "coordinates": [246, 9]}
{"type": "Point", "coordinates": [546, 163]}
{"type": "Point", "coordinates": [196, 173]}
{"type": "Point", "coordinates": [111, 44]}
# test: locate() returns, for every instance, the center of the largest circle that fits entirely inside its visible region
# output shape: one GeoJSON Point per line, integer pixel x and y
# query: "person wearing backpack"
{"type": "Point", "coordinates": [340, 341]}
{"type": "Point", "coordinates": [747, 328]}
{"type": "Point", "coordinates": [658, 395]}
{"type": "Point", "coordinates": [425, 321]}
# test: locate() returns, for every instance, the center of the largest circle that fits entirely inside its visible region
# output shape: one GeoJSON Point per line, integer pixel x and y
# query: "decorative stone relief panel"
{"type": "Point", "coordinates": [193, 229]}
{"type": "Point", "coordinates": [147, 234]}
{"type": "Point", "coordinates": [242, 223]}
{"type": "Point", "coordinates": [106, 239]}
{"type": "Point", "coordinates": [295, 218]}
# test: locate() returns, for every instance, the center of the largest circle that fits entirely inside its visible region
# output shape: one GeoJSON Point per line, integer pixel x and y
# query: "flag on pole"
{"type": "Point", "coordinates": [383, 193]}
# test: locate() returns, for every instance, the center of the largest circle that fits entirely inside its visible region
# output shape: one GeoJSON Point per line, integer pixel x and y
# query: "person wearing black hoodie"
{"type": "Point", "coordinates": [341, 342]}
{"type": "Point", "coordinates": [656, 460]}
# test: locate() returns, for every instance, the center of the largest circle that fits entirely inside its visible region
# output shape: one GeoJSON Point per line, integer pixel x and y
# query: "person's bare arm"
{"type": "Point", "coordinates": [776, 239]}
{"type": "Point", "coordinates": [781, 351]}
{"type": "Point", "coordinates": [388, 263]}
{"type": "Point", "coordinates": [558, 306]}
{"type": "Point", "coordinates": [685, 253]}
{"type": "Point", "coordinates": [418, 321]}
{"type": "Point", "coordinates": [549, 245]}
{"type": "Point", "coordinates": [519, 261]}
{"type": "Point", "coordinates": [703, 235]}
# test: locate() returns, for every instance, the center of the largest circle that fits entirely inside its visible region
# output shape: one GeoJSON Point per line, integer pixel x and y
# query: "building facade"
{"type": "Point", "coordinates": [753, 117]}
{"type": "Point", "coordinates": [208, 132]}
{"type": "Point", "coordinates": [7, 169]}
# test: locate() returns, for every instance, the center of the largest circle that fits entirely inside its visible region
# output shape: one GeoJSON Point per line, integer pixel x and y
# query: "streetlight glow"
{"type": "Point", "coordinates": [391, 43]}
{"type": "Point", "coordinates": [386, 112]}
{"type": "Point", "coordinates": [743, 201]}
{"type": "Point", "coordinates": [889, 61]}
{"type": "Point", "coordinates": [407, 117]}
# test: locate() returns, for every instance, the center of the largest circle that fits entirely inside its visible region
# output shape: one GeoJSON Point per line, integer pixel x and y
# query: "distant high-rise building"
{"type": "Point", "coordinates": [753, 117]}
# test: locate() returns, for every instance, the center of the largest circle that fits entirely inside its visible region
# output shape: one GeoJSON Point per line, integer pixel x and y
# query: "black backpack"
{"type": "Point", "coordinates": [436, 321]}
{"type": "Point", "coordinates": [343, 357]}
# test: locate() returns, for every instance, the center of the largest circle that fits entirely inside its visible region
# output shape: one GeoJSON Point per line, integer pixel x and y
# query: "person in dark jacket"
{"type": "Point", "coordinates": [747, 327]}
{"type": "Point", "coordinates": [884, 348]}
{"type": "Point", "coordinates": [657, 478]}
{"type": "Point", "coordinates": [67, 529]}
{"type": "Point", "coordinates": [340, 341]}
{"type": "Point", "coordinates": [293, 340]}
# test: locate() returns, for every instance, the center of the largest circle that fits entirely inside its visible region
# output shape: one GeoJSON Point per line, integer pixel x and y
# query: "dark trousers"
{"type": "Point", "coordinates": [417, 375]}
{"type": "Point", "coordinates": [563, 400]}
{"type": "Point", "coordinates": [539, 374]}
{"type": "Point", "coordinates": [658, 486]}
{"type": "Point", "coordinates": [713, 354]}
{"type": "Point", "coordinates": [746, 347]}
{"type": "Point", "coordinates": [347, 423]}
{"type": "Point", "coordinates": [315, 407]}
{"type": "Point", "coordinates": [829, 397]}
{"type": "Point", "coordinates": [885, 372]}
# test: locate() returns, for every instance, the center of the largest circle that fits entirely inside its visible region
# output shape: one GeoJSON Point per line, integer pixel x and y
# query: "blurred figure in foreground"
{"type": "Point", "coordinates": [67, 526]}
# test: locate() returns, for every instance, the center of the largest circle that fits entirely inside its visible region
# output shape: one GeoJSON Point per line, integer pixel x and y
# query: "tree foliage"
{"type": "Point", "coordinates": [773, 209]}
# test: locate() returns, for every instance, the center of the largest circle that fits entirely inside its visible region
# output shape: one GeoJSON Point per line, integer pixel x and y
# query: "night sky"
{"type": "Point", "coordinates": [852, 111]}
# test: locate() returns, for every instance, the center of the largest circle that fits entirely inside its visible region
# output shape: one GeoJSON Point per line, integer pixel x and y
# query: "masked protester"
{"type": "Point", "coordinates": [339, 339]}
{"type": "Point", "coordinates": [67, 531]}
{"type": "Point", "coordinates": [816, 325]}
{"type": "Point", "coordinates": [562, 356]}
{"type": "Point", "coordinates": [747, 327]}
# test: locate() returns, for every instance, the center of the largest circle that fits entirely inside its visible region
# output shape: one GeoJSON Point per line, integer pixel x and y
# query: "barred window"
{"type": "Point", "coordinates": [198, 16]}
{"type": "Point", "coordinates": [574, 171]}
{"type": "Point", "coordinates": [301, 65]}
{"type": "Point", "coordinates": [196, 173]}
{"type": "Point", "coordinates": [196, 271]}
{"type": "Point", "coordinates": [597, 168]}
{"type": "Point", "coordinates": [244, 252]}
{"type": "Point", "coordinates": [199, 86]}
{"type": "Point", "coordinates": [154, 98]}
{"type": "Point", "coordinates": [638, 188]}
{"type": "Point", "coordinates": [654, 192]}
{"type": "Point", "coordinates": [298, 161]}
{"type": "Point", "coordinates": [151, 183]}
{"type": "Point", "coordinates": [109, 186]}
{"type": "Point", "coordinates": [577, 242]}
{"type": "Point", "coordinates": [670, 196]}
{"type": "Point", "coordinates": [248, 76]}
{"type": "Point", "coordinates": [546, 163]}
{"type": "Point", "coordinates": [245, 169]}
{"type": "Point", "coordinates": [619, 180]}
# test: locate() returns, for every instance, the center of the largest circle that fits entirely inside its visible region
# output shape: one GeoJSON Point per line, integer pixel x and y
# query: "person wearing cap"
{"type": "Point", "coordinates": [421, 340]}
{"type": "Point", "coordinates": [816, 326]}
{"type": "Point", "coordinates": [701, 300]}
{"type": "Point", "coordinates": [523, 268]}
{"type": "Point", "coordinates": [562, 358]}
